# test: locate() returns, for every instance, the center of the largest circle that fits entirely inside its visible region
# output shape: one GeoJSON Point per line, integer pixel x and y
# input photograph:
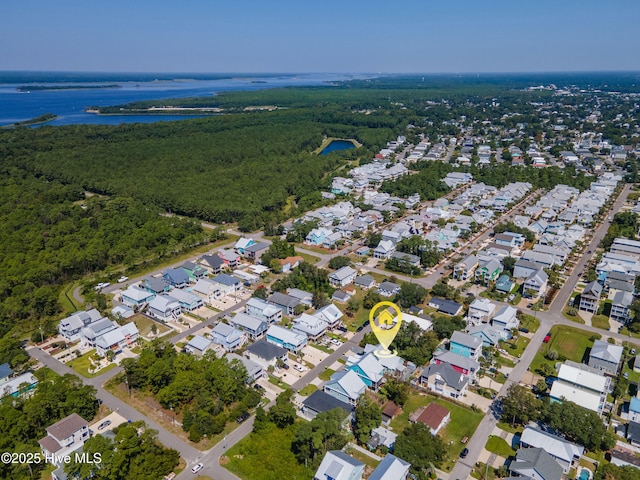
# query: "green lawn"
{"type": "Point", "coordinates": [570, 343]}
{"type": "Point", "coordinates": [277, 382]}
{"type": "Point", "coordinates": [145, 324]}
{"type": "Point", "coordinates": [82, 364]}
{"type": "Point", "coordinates": [266, 456]}
{"type": "Point", "coordinates": [463, 421]}
{"type": "Point", "coordinates": [600, 321]}
{"type": "Point", "coordinates": [627, 366]}
{"type": "Point", "coordinates": [308, 258]}
{"type": "Point", "coordinates": [326, 375]}
{"type": "Point", "coordinates": [308, 390]}
{"type": "Point", "coordinates": [516, 348]}
{"type": "Point", "coordinates": [358, 455]}
{"type": "Point", "coordinates": [499, 446]}
{"type": "Point", "coordinates": [312, 248]}
{"type": "Point", "coordinates": [530, 322]}
{"type": "Point", "coordinates": [322, 348]}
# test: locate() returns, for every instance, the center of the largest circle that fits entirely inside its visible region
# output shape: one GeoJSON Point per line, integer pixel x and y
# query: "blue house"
{"type": "Point", "coordinates": [504, 284]}
{"type": "Point", "coordinates": [465, 345]}
{"type": "Point", "coordinates": [285, 338]}
{"type": "Point", "coordinates": [135, 297]}
{"type": "Point", "coordinates": [228, 337]}
{"type": "Point", "coordinates": [317, 236]}
{"type": "Point", "coordinates": [155, 285]}
{"type": "Point", "coordinates": [176, 277]}
{"type": "Point", "coordinates": [369, 369]}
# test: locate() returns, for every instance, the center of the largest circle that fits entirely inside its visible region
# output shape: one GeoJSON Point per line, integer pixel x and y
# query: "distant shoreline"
{"type": "Point", "coordinates": [39, 88]}
{"type": "Point", "coordinates": [47, 117]}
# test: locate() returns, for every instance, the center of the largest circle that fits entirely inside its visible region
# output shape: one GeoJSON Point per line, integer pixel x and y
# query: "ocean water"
{"type": "Point", "coordinates": [70, 104]}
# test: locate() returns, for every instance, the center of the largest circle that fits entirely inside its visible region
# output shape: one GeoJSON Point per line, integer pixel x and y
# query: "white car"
{"type": "Point", "coordinates": [123, 278]}
{"type": "Point", "coordinates": [298, 367]}
{"type": "Point", "coordinates": [336, 342]}
{"type": "Point", "coordinates": [197, 467]}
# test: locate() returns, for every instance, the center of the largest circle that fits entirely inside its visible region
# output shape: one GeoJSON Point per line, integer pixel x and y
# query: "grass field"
{"type": "Point", "coordinates": [326, 375]}
{"type": "Point", "coordinates": [144, 325]}
{"type": "Point", "coordinates": [570, 343]}
{"type": "Point", "coordinates": [463, 421]}
{"type": "Point", "coordinates": [308, 390]}
{"type": "Point", "coordinates": [600, 321]}
{"type": "Point", "coordinates": [530, 322]}
{"type": "Point", "coordinates": [499, 446]}
{"type": "Point", "coordinates": [266, 456]}
{"type": "Point", "coordinates": [308, 258]}
{"type": "Point", "coordinates": [82, 364]}
{"type": "Point", "coordinates": [516, 348]}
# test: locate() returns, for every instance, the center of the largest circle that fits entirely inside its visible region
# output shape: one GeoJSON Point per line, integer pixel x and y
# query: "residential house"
{"type": "Point", "coordinates": [582, 385]}
{"type": "Point", "coordinates": [465, 269]}
{"type": "Point", "coordinates": [319, 402]}
{"type": "Point", "coordinates": [342, 277]}
{"type": "Point", "coordinates": [317, 236]}
{"type": "Point", "coordinates": [346, 386]}
{"type": "Point", "coordinates": [567, 454]}
{"type": "Point", "coordinates": [306, 298]}
{"type": "Point", "coordinates": [64, 437]}
{"type": "Point", "coordinates": [480, 311]}
{"type": "Point", "coordinates": [198, 345]}
{"type": "Point", "coordinates": [286, 303]}
{"type": "Point", "coordinates": [188, 301]}
{"type": "Point", "coordinates": [136, 297]}
{"type": "Point", "coordinates": [590, 297]}
{"type": "Point", "coordinates": [254, 327]}
{"type": "Point", "coordinates": [115, 340]}
{"type": "Point", "coordinates": [465, 345]}
{"type": "Point", "coordinates": [490, 336]}
{"type": "Point", "coordinates": [448, 307]}
{"type": "Point", "coordinates": [194, 271]}
{"type": "Point", "coordinates": [266, 354]}
{"type": "Point", "coordinates": [605, 357]}
{"type": "Point", "coordinates": [229, 285]}
{"type": "Point", "coordinates": [18, 385]}
{"type": "Point", "coordinates": [176, 277]}
{"type": "Point", "coordinates": [155, 285]}
{"type": "Point", "coordinates": [164, 307]}
{"type": "Point", "coordinates": [122, 312]}
{"type": "Point", "coordinates": [535, 463]}
{"type": "Point", "coordinates": [309, 325]}
{"type": "Point", "coordinates": [242, 244]}
{"type": "Point", "coordinates": [435, 417]}
{"type": "Point", "coordinates": [488, 271]}
{"type": "Point", "coordinates": [444, 380]}
{"type": "Point", "coordinates": [285, 338]}
{"type": "Point", "coordinates": [337, 465]}
{"type": "Point", "coordinates": [341, 296]}
{"type": "Point", "coordinates": [543, 260]}
{"type": "Point", "coordinates": [91, 332]}
{"type": "Point", "coordinates": [289, 263]}
{"type": "Point", "coordinates": [406, 259]}
{"type": "Point", "coordinates": [71, 326]}
{"type": "Point", "coordinates": [213, 263]}
{"type": "Point", "coordinates": [504, 284]}
{"type": "Point", "coordinates": [329, 314]}
{"type": "Point", "coordinates": [622, 457]}
{"type": "Point", "coordinates": [424, 323]}
{"type": "Point", "coordinates": [505, 320]}
{"type": "Point", "coordinates": [633, 433]}
{"type": "Point", "coordinates": [208, 289]}
{"type": "Point", "coordinates": [384, 250]}
{"type": "Point", "coordinates": [261, 309]}
{"type": "Point", "coordinates": [255, 371]}
{"type": "Point", "coordinates": [364, 281]}
{"type": "Point", "coordinates": [254, 252]}
{"type": "Point", "coordinates": [331, 240]}
{"type": "Point", "coordinates": [229, 257]}
{"type": "Point", "coordinates": [228, 337]}
{"type": "Point", "coordinates": [524, 269]}
{"type": "Point", "coordinates": [621, 307]}
{"type": "Point", "coordinates": [465, 365]}
{"type": "Point", "coordinates": [5, 373]}
{"type": "Point", "coordinates": [536, 285]}
{"type": "Point", "coordinates": [390, 411]}
{"type": "Point", "coordinates": [382, 437]}
{"type": "Point", "coordinates": [391, 468]}
{"type": "Point", "coordinates": [368, 368]}
{"type": "Point", "coordinates": [388, 289]}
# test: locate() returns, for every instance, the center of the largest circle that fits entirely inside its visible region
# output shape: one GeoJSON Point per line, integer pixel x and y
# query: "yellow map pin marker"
{"type": "Point", "coordinates": [383, 326]}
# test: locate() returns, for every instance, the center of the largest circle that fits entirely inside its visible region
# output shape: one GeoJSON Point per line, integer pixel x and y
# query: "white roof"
{"type": "Point", "coordinates": [247, 321]}
{"type": "Point", "coordinates": [584, 378]}
{"type": "Point", "coordinates": [371, 367]}
{"type": "Point", "coordinates": [13, 385]}
{"type": "Point", "coordinates": [483, 304]}
{"type": "Point", "coordinates": [553, 445]}
{"type": "Point", "coordinates": [286, 335]}
{"type": "Point", "coordinates": [349, 381]}
{"type": "Point", "coordinates": [310, 324]}
{"type": "Point", "coordinates": [164, 302]}
{"type": "Point", "coordinates": [136, 293]}
{"type": "Point", "coordinates": [329, 313]}
{"type": "Point", "coordinates": [342, 273]}
{"type": "Point", "coordinates": [199, 343]}
{"type": "Point", "coordinates": [583, 398]}
{"type": "Point", "coordinates": [116, 336]}
{"type": "Point", "coordinates": [185, 297]}
{"type": "Point", "coordinates": [423, 323]}
{"type": "Point", "coordinates": [205, 286]}
{"type": "Point", "coordinates": [506, 314]}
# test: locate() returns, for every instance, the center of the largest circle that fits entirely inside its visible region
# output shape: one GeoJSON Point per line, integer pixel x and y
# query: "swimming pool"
{"type": "Point", "coordinates": [585, 474]}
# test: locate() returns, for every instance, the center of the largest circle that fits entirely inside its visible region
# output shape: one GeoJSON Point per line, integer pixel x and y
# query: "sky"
{"type": "Point", "coordinates": [328, 36]}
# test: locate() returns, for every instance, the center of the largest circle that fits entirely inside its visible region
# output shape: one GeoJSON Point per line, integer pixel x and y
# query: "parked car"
{"type": "Point", "coordinates": [298, 367]}
{"type": "Point", "coordinates": [285, 366]}
{"type": "Point", "coordinates": [258, 387]}
{"type": "Point", "coordinates": [336, 342]}
{"type": "Point", "coordinates": [104, 424]}
{"type": "Point", "coordinates": [123, 278]}
{"type": "Point", "coordinates": [633, 351]}
{"type": "Point", "coordinates": [197, 467]}
{"type": "Point", "coordinates": [511, 297]}
{"type": "Point", "coordinates": [242, 417]}
{"type": "Point", "coordinates": [464, 452]}
{"type": "Point", "coordinates": [547, 338]}
{"type": "Point", "coordinates": [524, 330]}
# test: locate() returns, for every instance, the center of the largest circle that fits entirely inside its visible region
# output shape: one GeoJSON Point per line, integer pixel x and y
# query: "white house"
{"type": "Point", "coordinates": [342, 277]}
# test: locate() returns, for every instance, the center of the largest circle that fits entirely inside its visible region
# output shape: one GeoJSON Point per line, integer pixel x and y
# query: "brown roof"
{"type": "Point", "coordinates": [67, 426]}
{"type": "Point", "coordinates": [433, 415]}
{"type": "Point", "coordinates": [291, 260]}
{"type": "Point", "coordinates": [391, 409]}
{"type": "Point", "coordinates": [49, 444]}
{"type": "Point", "coordinates": [626, 456]}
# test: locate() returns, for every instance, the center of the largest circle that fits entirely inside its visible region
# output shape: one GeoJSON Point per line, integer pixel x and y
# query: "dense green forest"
{"type": "Point", "coordinates": [52, 235]}
{"type": "Point", "coordinates": [243, 168]}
